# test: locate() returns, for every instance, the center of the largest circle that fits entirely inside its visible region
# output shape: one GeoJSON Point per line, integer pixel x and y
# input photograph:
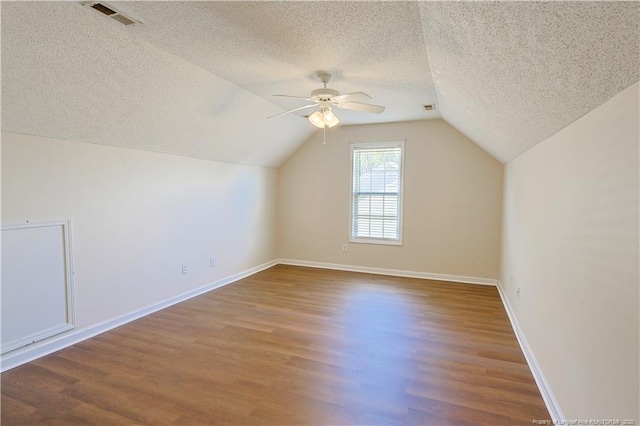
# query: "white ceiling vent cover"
{"type": "Point", "coordinates": [111, 12]}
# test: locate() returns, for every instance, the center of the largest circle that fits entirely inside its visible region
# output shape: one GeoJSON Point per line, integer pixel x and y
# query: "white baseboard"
{"type": "Point", "coordinates": [392, 272]}
{"type": "Point", "coordinates": [38, 350]}
{"type": "Point", "coordinates": [545, 390]}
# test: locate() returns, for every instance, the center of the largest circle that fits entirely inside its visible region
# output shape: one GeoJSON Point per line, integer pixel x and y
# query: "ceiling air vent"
{"type": "Point", "coordinates": [123, 19]}
{"type": "Point", "coordinates": [111, 12]}
{"type": "Point", "coordinates": [430, 107]}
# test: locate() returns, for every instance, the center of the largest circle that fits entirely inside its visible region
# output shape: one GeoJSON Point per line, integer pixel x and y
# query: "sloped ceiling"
{"type": "Point", "coordinates": [511, 74]}
{"type": "Point", "coordinates": [197, 78]}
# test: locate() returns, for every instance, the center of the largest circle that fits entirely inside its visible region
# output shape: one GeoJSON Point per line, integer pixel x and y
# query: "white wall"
{"type": "Point", "coordinates": [452, 202]}
{"type": "Point", "coordinates": [138, 215]}
{"type": "Point", "coordinates": [570, 243]}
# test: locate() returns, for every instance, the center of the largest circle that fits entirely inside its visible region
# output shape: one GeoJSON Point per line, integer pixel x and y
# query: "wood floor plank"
{"type": "Point", "coordinates": [293, 346]}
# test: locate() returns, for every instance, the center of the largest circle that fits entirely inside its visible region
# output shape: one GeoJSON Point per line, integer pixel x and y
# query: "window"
{"type": "Point", "coordinates": [376, 201]}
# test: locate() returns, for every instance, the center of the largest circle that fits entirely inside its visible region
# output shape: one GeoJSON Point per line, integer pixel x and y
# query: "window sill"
{"type": "Point", "coordinates": [376, 242]}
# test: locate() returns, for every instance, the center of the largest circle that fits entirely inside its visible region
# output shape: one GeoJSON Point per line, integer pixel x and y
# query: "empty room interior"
{"type": "Point", "coordinates": [320, 213]}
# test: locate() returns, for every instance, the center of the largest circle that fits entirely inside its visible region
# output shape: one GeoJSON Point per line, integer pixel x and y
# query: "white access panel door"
{"type": "Point", "coordinates": [36, 288]}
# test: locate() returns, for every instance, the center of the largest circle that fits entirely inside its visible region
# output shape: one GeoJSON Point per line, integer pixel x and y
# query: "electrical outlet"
{"type": "Point", "coordinates": [212, 262]}
{"type": "Point", "coordinates": [184, 269]}
{"type": "Point", "coordinates": [345, 248]}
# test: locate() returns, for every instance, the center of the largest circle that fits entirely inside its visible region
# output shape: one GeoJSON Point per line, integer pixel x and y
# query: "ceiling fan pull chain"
{"type": "Point", "coordinates": [324, 135]}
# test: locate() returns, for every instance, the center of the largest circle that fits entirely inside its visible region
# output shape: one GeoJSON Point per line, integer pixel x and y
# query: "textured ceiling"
{"type": "Point", "coordinates": [511, 74]}
{"type": "Point", "coordinates": [70, 73]}
{"type": "Point", "coordinates": [197, 78]}
{"type": "Point", "coordinates": [277, 47]}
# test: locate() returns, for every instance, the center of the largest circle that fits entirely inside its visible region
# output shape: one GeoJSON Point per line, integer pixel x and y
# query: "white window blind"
{"type": "Point", "coordinates": [377, 192]}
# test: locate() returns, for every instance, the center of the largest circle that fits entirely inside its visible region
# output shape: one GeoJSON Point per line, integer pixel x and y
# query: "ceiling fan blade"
{"type": "Point", "coordinates": [295, 97]}
{"type": "Point", "coordinates": [293, 110]}
{"type": "Point", "coordinates": [355, 96]}
{"type": "Point", "coordinates": [357, 106]}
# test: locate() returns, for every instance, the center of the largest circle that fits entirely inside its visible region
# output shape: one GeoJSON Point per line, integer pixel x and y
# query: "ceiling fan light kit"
{"type": "Point", "coordinates": [324, 98]}
{"type": "Point", "coordinates": [324, 118]}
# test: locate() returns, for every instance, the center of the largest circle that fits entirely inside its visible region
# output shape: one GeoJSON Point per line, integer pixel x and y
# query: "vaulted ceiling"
{"type": "Point", "coordinates": [197, 78]}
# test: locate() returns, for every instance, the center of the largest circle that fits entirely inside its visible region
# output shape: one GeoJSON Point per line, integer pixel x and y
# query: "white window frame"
{"type": "Point", "coordinates": [382, 241]}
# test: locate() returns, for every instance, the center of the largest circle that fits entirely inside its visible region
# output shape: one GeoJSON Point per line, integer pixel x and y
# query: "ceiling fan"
{"type": "Point", "coordinates": [325, 98]}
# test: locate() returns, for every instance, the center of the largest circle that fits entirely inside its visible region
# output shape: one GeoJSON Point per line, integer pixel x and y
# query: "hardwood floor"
{"type": "Point", "coordinates": [291, 346]}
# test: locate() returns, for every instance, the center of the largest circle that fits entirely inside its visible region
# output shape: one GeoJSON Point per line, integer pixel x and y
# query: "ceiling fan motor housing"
{"type": "Point", "coordinates": [323, 95]}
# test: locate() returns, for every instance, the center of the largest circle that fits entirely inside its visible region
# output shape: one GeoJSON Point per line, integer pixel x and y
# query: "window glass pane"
{"type": "Point", "coordinates": [376, 185]}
